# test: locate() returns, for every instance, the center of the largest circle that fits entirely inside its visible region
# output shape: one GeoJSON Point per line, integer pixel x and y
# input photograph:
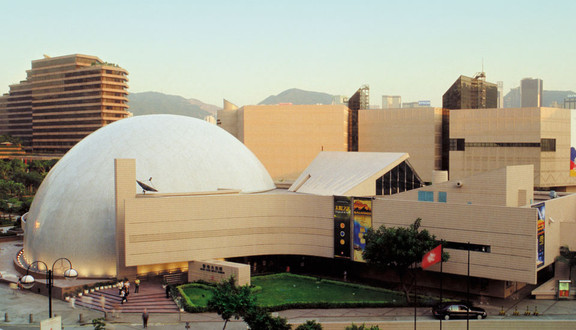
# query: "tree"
{"type": "Point", "coordinates": [229, 300]}
{"type": "Point", "coordinates": [260, 319]}
{"type": "Point", "coordinates": [310, 325]}
{"type": "Point", "coordinates": [400, 249]}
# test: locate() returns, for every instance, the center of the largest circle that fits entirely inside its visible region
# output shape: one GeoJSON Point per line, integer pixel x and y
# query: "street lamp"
{"type": "Point", "coordinates": [27, 281]}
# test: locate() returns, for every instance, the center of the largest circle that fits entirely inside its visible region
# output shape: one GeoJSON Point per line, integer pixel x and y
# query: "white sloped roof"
{"type": "Point", "coordinates": [335, 172]}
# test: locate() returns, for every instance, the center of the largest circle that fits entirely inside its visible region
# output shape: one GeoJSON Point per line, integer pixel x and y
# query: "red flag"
{"type": "Point", "coordinates": [432, 257]}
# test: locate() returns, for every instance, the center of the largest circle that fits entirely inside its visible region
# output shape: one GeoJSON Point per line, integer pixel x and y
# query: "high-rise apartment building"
{"type": "Point", "coordinates": [62, 100]}
{"type": "Point", "coordinates": [531, 91]}
{"type": "Point", "coordinates": [471, 93]}
{"type": "Point", "coordinates": [391, 101]}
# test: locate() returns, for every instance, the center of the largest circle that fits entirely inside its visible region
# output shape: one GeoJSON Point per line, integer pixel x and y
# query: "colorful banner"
{"type": "Point", "coordinates": [342, 219]}
{"type": "Point", "coordinates": [541, 233]}
{"type": "Point", "coordinates": [362, 221]}
{"type": "Point", "coordinates": [572, 142]}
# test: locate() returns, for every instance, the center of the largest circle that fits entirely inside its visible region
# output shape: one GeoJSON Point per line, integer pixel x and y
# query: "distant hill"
{"type": "Point", "coordinates": [549, 97]}
{"type": "Point", "coordinates": [148, 103]}
{"type": "Point", "coordinates": [298, 96]}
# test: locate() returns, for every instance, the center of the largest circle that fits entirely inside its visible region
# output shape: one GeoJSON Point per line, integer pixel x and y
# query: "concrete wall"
{"type": "Point", "coordinates": [510, 232]}
{"type": "Point", "coordinates": [417, 131]}
{"type": "Point", "coordinates": [500, 187]}
{"type": "Point", "coordinates": [515, 125]}
{"type": "Point", "coordinates": [183, 228]}
{"type": "Point", "coordinates": [286, 138]}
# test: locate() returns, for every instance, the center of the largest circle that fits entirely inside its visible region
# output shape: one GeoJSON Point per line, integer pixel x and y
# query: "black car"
{"type": "Point", "coordinates": [452, 311]}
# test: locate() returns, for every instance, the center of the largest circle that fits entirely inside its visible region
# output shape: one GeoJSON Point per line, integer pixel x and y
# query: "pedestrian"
{"type": "Point", "coordinates": [145, 318]}
{"type": "Point", "coordinates": [123, 296]}
{"type": "Point", "coordinates": [167, 291]}
{"type": "Point", "coordinates": [120, 287]}
{"type": "Point", "coordinates": [127, 286]}
{"type": "Point", "coordinates": [136, 285]}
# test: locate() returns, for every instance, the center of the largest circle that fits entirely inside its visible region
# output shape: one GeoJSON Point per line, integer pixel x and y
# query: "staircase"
{"type": "Point", "coordinates": [150, 296]}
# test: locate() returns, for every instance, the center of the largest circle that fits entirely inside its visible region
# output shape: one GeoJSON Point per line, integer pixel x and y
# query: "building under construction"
{"type": "Point", "coordinates": [471, 93]}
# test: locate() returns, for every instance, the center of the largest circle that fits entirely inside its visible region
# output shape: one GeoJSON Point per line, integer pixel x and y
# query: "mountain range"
{"type": "Point", "coordinates": [149, 103]}
{"type": "Point", "coordinates": [298, 96]}
{"type": "Point", "coordinates": [156, 103]}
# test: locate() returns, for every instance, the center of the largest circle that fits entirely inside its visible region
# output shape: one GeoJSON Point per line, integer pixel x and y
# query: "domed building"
{"type": "Point", "coordinates": [74, 215]}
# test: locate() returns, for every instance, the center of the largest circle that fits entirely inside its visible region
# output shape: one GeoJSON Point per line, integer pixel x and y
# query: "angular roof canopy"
{"type": "Point", "coordinates": [337, 173]}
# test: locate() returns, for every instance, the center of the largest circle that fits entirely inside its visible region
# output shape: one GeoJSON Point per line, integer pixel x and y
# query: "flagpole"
{"type": "Point", "coordinates": [441, 280]}
{"type": "Point", "coordinates": [468, 291]}
{"type": "Point", "coordinates": [414, 296]}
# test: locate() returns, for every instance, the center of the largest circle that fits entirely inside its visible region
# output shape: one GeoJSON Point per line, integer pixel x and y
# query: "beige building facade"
{"type": "Point", "coordinates": [485, 139]}
{"type": "Point", "coordinates": [161, 231]}
{"type": "Point", "coordinates": [417, 131]}
{"type": "Point", "coordinates": [286, 138]}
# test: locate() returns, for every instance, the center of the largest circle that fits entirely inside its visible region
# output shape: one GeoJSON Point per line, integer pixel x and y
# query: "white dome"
{"type": "Point", "coordinates": [73, 212]}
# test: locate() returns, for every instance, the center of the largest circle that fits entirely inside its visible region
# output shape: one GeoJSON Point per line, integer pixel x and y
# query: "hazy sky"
{"type": "Point", "coordinates": [245, 51]}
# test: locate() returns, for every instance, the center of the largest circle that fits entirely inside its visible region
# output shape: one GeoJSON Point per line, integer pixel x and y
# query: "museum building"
{"type": "Point", "coordinates": [215, 201]}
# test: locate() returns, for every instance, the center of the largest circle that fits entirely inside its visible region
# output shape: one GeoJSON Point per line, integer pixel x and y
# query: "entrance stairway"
{"type": "Point", "coordinates": [151, 296]}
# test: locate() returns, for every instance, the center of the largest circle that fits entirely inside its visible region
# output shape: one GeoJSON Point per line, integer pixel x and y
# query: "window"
{"type": "Point", "coordinates": [548, 144]}
{"type": "Point", "coordinates": [425, 196]}
{"type": "Point", "coordinates": [457, 145]}
{"type": "Point", "coordinates": [442, 196]}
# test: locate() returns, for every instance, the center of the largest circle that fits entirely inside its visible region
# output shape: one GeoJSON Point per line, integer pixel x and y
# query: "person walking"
{"type": "Point", "coordinates": [124, 296]}
{"type": "Point", "coordinates": [145, 318]}
{"type": "Point", "coordinates": [136, 285]}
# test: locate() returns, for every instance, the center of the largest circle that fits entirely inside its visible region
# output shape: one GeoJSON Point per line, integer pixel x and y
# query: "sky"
{"type": "Point", "coordinates": [245, 51]}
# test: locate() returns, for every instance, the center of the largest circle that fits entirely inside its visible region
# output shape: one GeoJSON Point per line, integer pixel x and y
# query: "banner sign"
{"type": "Point", "coordinates": [541, 233]}
{"type": "Point", "coordinates": [362, 221]}
{"type": "Point", "coordinates": [342, 220]}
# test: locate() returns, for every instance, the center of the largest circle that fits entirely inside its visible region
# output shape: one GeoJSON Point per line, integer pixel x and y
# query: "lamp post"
{"type": "Point", "coordinates": [27, 281]}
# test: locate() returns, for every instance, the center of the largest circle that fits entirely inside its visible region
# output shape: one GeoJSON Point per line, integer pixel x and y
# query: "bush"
{"type": "Point", "coordinates": [260, 319]}
{"type": "Point", "coordinates": [309, 325]}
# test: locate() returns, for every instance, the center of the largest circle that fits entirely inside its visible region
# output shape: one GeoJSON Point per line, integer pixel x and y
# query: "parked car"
{"type": "Point", "coordinates": [452, 311]}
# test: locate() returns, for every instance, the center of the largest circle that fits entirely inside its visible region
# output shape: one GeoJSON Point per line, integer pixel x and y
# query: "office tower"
{"type": "Point", "coordinates": [513, 98]}
{"type": "Point", "coordinates": [391, 101]}
{"type": "Point", "coordinates": [62, 100]}
{"type": "Point", "coordinates": [471, 93]}
{"type": "Point", "coordinates": [500, 94]}
{"type": "Point", "coordinates": [531, 91]}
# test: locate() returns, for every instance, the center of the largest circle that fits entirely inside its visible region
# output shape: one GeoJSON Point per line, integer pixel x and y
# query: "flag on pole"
{"type": "Point", "coordinates": [432, 257]}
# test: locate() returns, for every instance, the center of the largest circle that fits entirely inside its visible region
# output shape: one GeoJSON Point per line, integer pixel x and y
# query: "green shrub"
{"type": "Point", "coordinates": [309, 325]}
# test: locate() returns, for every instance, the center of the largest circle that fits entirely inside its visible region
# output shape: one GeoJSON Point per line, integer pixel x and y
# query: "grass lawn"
{"type": "Point", "coordinates": [280, 289]}
{"type": "Point", "coordinates": [289, 289]}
